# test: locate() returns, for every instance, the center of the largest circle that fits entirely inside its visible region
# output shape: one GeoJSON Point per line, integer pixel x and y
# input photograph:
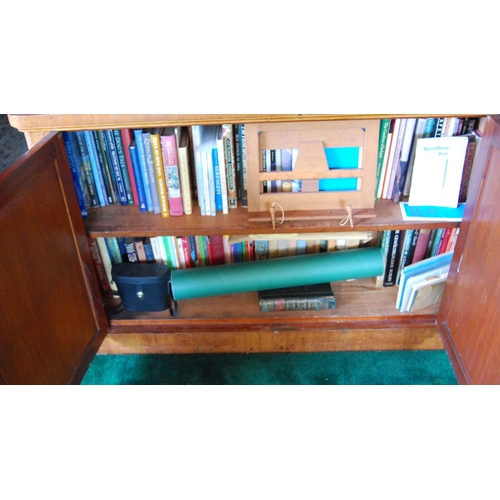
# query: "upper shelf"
{"type": "Point", "coordinates": [47, 123]}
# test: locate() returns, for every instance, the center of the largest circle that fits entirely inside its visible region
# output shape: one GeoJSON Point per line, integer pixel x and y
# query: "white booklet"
{"type": "Point", "coordinates": [437, 171]}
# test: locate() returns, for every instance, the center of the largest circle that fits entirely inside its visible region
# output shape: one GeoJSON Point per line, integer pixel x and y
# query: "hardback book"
{"type": "Point", "coordinates": [96, 168]}
{"type": "Point", "coordinates": [394, 158]}
{"type": "Point", "coordinates": [242, 178]}
{"type": "Point", "coordinates": [98, 264]}
{"type": "Point", "coordinates": [393, 256]}
{"type": "Point", "coordinates": [77, 173]}
{"type": "Point", "coordinates": [384, 133]}
{"type": "Point", "coordinates": [221, 171]}
{"type": "Point", "coordinates": [114, 250]}
{"type": "Point", "coordinates": [172, 176]}
{"type": "Point", "coordinates": [184, 169]}
{"type": "Point", "coordinates": [120, 151]}
{"type": "Point", "coordinates": [437, 172]}
{"type": "Point", "coordinates": [161, 184]}
{"type": "Point", "coordinates": [148, 250]}
{"type": "Point", "coordinates": [86, 168]}
{"type": "Point", "coordinates": [105, 162]}
{"type": "Point", "coordinates": [419, 133]}
{"type": "Point", "coordinates": [409, 242]}
{"type": "Point", "coordinates": [396, 139]}
{"type": "Point", "coordinates": [216, 249]}
{"type": "Point", "coordinates": [137, 173]}
{"type": "Point", "coordinates": [196, 135]}
{"type": "Point", "coordinates": [115, 165]}
{"type": "Point", "coordinates": [150, 168]}
{"type": "Point", "coordinates": [106, 261]}
{"type": "Point", "coordinates": [383, 173]}
{"type": "Point", "coordinates": [470, 155]}
{"type": "Point", "coordinates": [141, 156]}
{"type": "Point", "coordinates": [402, 169]}
{"type": "Point", "coordinates": [205, 149]}
{"type": "Point", "coordinates": [307, 297]}
{"type": "Point", "coordinates": [131, 251]}
{"type": "Point", "coordinates": [230, 164]}
{"type": "Point", "coordinates": [139, 248]}
{"type": "Point", "coordinates": [127, 137]}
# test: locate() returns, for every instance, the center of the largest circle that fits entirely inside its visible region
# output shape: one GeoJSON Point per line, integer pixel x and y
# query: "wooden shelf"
{"type": "Point", "coordinates": [359, 303]}
{"type": "Point", "coordinates": [117, 220]}
{"type": "Point", "coordinates": [365, 319]}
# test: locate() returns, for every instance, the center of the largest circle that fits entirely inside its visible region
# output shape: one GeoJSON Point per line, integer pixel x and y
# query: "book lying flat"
{"type": "Point", "coordinates": [427, 212]}
{"type": "Point", "coordinates": [307, 297]}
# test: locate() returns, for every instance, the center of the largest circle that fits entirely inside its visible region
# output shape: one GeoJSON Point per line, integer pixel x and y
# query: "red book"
{"type": "Point", "coordinates": [98, 264]}
{"type": "Point", "coordinates": [216, 250]}
{"type": "Point", "coordinates": [171, 164]}
{"type": "Point", "coordinates": [421, 246]}
{"type": "Point", "coordinates": [186, 251]}
{"type": "Point", "coordinates": [127, 137]}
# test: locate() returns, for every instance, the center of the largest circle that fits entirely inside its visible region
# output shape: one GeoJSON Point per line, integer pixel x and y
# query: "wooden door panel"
{"type": "Point", "coordinates": [51, 325]}
{"type": "Point", "coordinates": [470, 320]}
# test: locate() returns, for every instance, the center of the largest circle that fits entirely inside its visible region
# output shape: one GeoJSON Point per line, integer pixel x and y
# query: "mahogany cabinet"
{"type": "Point", "coordinates": [54, 320]}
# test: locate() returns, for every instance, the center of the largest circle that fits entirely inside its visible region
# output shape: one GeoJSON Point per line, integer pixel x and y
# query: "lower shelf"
{"type": "Point", "coordinates": [365, 319]}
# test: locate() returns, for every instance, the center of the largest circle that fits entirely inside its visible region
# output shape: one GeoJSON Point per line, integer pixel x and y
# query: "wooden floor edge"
{"type": "Point", "coordinates": [265, 341]}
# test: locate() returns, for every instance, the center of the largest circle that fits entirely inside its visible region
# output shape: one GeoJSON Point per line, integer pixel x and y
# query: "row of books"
{"type": "Point", "coordinates": [399, 151]}
{"type": "Point", "coordinates": [402, 248]}
{"type": "Point", "coordinates": [161, 170]}
{"type": "Point", "coordinates": [184, 252]}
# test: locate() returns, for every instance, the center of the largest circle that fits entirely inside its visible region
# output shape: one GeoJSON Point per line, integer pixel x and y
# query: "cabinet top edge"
{"type": "Point", "coordinates": [46, 122]}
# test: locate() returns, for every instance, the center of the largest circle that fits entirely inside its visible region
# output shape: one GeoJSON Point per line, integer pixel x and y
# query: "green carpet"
{"type": "Point", "coordinates": [331, 368]}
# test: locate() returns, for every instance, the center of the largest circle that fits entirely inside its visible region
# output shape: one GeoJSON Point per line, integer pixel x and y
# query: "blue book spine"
{"type": "Point", "coordinates": [96, 170]}
{"type": "Point", "coordinates": [122, 196]}
{"type": "Point", "coordinates": [144, 168]}
{"type": "Point", "coordinates": [218, 187]}
{"type": "Point", "coordinates": [148, 250]}
{"type": "Point", "coordinates": [134, 158]}
{"type": "Point", "coordinates": [86, 169]}
{"type": "Point", "coordinates": [123, 166]}
{"type": "Point", "coordinates": [75, 172]}
{"type": "Point", "coordinates": [148, 153]}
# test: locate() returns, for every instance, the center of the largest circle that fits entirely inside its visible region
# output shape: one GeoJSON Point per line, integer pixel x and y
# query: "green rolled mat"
{"type": "Point", "coordinates": [259, 275]}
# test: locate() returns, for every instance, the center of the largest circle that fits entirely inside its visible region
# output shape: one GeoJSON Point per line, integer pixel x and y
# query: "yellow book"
{"type": "Point", "coordinates": [160, 172]}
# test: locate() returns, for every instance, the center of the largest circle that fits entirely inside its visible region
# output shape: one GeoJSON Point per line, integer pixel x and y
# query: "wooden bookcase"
{"type": "Point", "coordinates": [365, 318]}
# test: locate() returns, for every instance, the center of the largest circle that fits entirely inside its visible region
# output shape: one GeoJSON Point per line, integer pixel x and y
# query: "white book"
{"type": "Point", "coordinates": [222, 171]}
{"type": "Point", "coordinates": [437, 172]}
{"type": "Point", "coordinates": [196, 132]}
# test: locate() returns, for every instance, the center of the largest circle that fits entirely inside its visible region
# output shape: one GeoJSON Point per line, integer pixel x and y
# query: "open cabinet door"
{"type": "Point", "coordinates": [52, 320]}
{"type": "Point", "coordinates": [469, 315]}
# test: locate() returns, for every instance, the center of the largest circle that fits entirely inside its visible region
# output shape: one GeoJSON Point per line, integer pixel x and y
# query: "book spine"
{"type": "Point", "coordinates": [76, 174]}
{"type": "Point", "coordinates": [146, 137]}
{"type": "Point", "coordinates": [297, 304]}
{"type": "Point", "coordinates": [134, 158]}
{"type": "Point", "coordinates": [172, 178]}
{"type": "Point", "coordinates": [105, 166]}
{"type": "Point", "coordinates": [127, 135]}
{"type": "Point", "coordinates": [217, 180]}
{"type": "Point", "coordinates": [98, 264]}
{"type": "Point", "coordinates": [114, 250]}
{"type": "Point", "coordinates": [96, 171]}
{"type": "Point", "coordinates": [160, 175]}
{"type": "Point", "coordinates": [122, 196]}
{"type": "Point", "coordinates": [87, 169]}
{"type": "Point", "coordinates": [184, 172]}
{"type": "Point", "coordinates": [221, 166]}
{"type": "Point", "coordinates": [243, 171]}
{"type": "Point", "coordinates": [382, 145]}
{"type": "Point", "coordinates": [390, 268]}
{"type": "Point", "coordinates": [106, 261]}
{"type": "Point", "coordinates": [230, 164]}
{"type": "Point", "coordinates": [123, 166]}
{"type": "Point", "coordinates": [141, 155]}
{"type": "Point", "coordinates": [131, 252]}
{"type": "Point", "coordinates": [148, 250]}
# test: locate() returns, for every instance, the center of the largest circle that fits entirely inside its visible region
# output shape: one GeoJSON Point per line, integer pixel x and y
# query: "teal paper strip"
{"type": "Point", "coordinates": [299, 270]}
